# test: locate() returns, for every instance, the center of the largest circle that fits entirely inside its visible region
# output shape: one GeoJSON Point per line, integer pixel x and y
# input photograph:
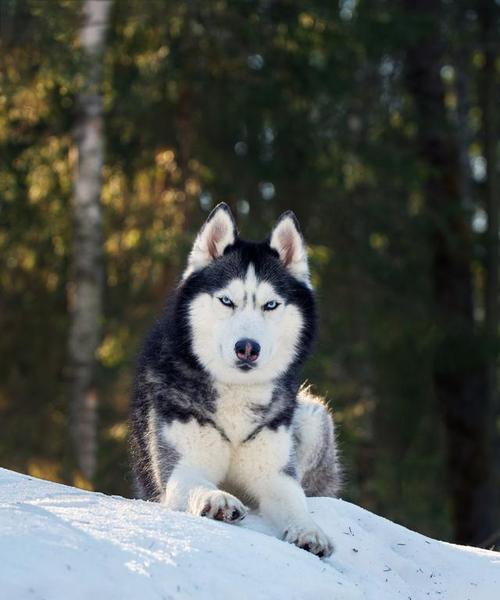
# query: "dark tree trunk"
{"type": "Point", "coordinates": [87, 271]}
{"type": "Point", "coordinates": [488, 16]}
{"type": "Point", "coordinates": [460, 373]}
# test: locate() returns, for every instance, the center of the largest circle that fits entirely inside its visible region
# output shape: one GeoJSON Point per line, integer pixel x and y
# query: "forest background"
{"type": "Point", "coordinates": [123, 122]}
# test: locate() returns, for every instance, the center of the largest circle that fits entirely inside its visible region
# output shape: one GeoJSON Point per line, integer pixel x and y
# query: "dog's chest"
{"type": "Point", "coordinates": [241, 409]}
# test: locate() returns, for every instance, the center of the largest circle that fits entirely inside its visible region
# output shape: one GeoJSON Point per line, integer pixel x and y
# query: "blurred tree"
{"type": "Point", "coordinates": [87, 269]}
{"type": "Point", "coordinates": [489, 14]}
{"type": "Point", "coordinates": [460, 382]}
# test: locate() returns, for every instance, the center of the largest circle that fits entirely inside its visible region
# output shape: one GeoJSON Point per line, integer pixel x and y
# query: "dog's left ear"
{"type": "Point", "coordinates": [218, 232]}
{"type": "Point", "coordinates": [286, 238]}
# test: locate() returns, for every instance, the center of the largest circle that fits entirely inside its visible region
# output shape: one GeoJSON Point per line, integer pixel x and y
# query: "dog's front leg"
{"type": "Point", "coordinates": [264, 467]}
{"type": "Point", "coordinates": [201, 458]}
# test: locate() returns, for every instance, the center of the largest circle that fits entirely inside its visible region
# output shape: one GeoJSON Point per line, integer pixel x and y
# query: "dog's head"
{"type": "Point", "coordinates": [250, 306]}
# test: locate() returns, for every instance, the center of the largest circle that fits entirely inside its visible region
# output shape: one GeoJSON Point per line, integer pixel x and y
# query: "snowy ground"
{"type": "Point", "coordinates": [58, 542]}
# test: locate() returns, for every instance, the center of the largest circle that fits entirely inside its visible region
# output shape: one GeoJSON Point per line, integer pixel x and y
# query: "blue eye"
{"type": "Point", "coordinates": [271, 305]}
{"type": "Point", "coordinates": [226, 301]}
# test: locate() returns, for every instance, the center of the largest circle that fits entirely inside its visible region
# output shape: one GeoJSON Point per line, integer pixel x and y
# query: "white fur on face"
{"type": "Point", "coordinates": [216, 329]}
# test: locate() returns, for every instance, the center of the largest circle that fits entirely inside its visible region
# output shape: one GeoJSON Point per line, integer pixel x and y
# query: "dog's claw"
{"type": "Point", "coordinates": [220, 506]}
{"type": "Point", "coordinates": [310, 539]}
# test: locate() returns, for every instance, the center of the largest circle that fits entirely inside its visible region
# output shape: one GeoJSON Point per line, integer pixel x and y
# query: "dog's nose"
{"type": "Point", "coordinates": [247, 350]}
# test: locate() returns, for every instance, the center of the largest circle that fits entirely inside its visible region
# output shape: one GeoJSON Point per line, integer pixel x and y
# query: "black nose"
{"type": "Point", "coordinates": [247, 350]}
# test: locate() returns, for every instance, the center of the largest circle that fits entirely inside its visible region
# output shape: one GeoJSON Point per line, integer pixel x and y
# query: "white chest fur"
{"type": "Point", "coordinates": [237, 412]}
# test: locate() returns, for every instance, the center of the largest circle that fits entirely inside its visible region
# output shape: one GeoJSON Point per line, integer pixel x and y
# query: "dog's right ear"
{"type": "Point", "coordinates": [218, 232]}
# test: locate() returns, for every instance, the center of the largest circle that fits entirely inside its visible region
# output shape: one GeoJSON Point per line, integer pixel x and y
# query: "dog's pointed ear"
{"type": "Point", "coordinates": [288, 241]}
{"type": "Point", "coordinates": [218, 232]}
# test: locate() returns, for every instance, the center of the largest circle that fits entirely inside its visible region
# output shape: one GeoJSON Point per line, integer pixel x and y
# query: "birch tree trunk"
{"type": "Point", "coordinates": [87, 270]}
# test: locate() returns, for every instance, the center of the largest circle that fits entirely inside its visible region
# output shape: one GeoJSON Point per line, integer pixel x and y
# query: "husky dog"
{"type": "Point", "coordinates": [217, 417]}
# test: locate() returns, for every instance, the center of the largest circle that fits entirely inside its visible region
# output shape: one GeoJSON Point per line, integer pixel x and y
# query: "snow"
{"type": "Point", "coordinates": [58, 542]}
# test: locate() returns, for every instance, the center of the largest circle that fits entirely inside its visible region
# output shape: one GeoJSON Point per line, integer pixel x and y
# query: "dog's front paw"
{"type": "Point", "coordinates": [218, 505]}
{"type": "Point", "coordinates": [309, 538]}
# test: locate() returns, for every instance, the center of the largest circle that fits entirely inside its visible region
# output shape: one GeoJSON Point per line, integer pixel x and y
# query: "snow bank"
{"type": "Point", "coordinates": [58, 542]}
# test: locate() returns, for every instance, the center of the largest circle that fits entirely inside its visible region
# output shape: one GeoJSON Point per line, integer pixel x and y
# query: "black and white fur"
{"type": "Point", "coordinates": [213, 430]}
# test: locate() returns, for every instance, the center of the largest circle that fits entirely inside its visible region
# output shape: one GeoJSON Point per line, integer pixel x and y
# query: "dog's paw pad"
{"type": "Point", "coordinates": [310, 539]}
